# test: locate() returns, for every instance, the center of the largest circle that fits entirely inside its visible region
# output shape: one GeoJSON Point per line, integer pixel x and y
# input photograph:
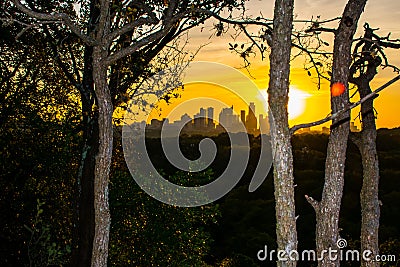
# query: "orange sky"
{"type": "Point", "coordinates": [384, 14]}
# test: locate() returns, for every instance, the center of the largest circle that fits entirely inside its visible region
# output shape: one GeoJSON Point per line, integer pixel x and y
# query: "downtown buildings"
{"type": "Point", "coordinates": [204, 123]}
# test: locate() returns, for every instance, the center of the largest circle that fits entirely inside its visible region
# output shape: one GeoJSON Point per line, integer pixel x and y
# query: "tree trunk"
{"type": "Point", "coordinates": [370, 210]}
{"type": "Point", "coordinates": [280, 137]}
{"type": "Point", "coordinates": [103, 160]}
{"type": "Point", "coordinates": [84, 228]}
{"type": "Point", "coordinates": [366, 143]}
{"type": "Point", "coordinates": [85, 222]}
{"type": "Point", "coordinates": [327, 211]}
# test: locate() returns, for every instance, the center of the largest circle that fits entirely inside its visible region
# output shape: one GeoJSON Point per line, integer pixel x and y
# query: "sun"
{"type": "Point", "coordinates": [297, 102]}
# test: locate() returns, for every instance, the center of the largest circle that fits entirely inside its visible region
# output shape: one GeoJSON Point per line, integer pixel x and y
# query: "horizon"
{"type": "Point", "coordinates": [316, 103]}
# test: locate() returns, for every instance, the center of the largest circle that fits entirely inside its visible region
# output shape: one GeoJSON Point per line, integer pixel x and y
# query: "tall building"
{"type": "Point", "coordinates": [202, 112]}
{"type": "Point", "coordinates": [185, 120]}
{"type": "Point", "coordinates": [225, 117]}
{"type": "Point", "coordinates": [251, 120]}
{"type": "Point", "coordinates": [210, 117]}
{"type": "Point", "coordinates": [264, 124]}
{"type": "Point", "coordinates": [229, 120]}
{"type": "Point", "coordinates": [200, 119]}
{"type": "Point", "coordinates": [353, 127]}
{"type": "Point", "coordinates": [243, 116]}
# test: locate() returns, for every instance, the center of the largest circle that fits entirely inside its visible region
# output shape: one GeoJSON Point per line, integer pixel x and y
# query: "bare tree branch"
{"type": "Point", "coordinates": [320, 29]}
{"type": "Point", "coordinates": [342, 111]}
{"type": "Point", "coordinates": [128, 27]}
{"type": "Point", "coordinates": [136, 46]}
{"type": "Point", "coordinates": [314, 203]}
{"type": "Point", "coordinates": [64, 18]}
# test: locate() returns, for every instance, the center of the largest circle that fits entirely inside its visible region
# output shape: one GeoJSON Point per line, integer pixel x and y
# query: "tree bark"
{"type": "Point", "coordinates": [84, 228]}
{"type": "Point", "coordinates": [85, 222]}
{"type": "Point", "coordinates": [103, 159]}
{"type": "Point", "coordinates": [328, 209]}
{"type": "Point", "coordinates": [280, 136]}
{"type": "Point", "coordinates": [366, 143]}
{"type": "Point", "coordinates": [370, 210]}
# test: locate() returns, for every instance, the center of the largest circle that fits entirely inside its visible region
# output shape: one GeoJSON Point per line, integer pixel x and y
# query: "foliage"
{"type": "Point", "coordinates": [389, 248]}
{"type": "Point", "coordinates": [145, 232]}
{"type": "Point", "coordinates": [39, 140]}
{"type": "Point", "coordinates": [41, 250]}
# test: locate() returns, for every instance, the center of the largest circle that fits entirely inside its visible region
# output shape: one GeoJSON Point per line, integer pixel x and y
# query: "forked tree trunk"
{"type": "Point", "coordinates": [103, 160]}
{"type": "Point", "coordinates": [366, 143]}
{"type": "Point", "coordinates": [84, 228]}
{"type": "Point", "coordinates": [280, 137]}
{"type": "Point", "coordinates": [328, 209]}
{"type": "Point", "coordinates": [84, 233]}
{"type": "Point", "coordinates": [370, 210]}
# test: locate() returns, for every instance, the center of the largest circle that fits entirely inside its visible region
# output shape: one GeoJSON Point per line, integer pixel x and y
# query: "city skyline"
{"type": "Point", "coordinates": [379, 14]}
{"type": "Point", "coordinates": [204, 122]}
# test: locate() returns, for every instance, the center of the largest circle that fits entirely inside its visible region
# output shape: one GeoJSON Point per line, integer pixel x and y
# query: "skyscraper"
{"type": "Point", "coordinates": [251, 120]}
{"type": "Point", "coordinates": [202, 112]}
{"type": "Point", "coordinates": [210, 117]}
{"type": "Point", "coordinates": [202, 117]}
{"type": "Point", "coordinates": [229, 120]}
{"type": "Point", "coordinates": [225, 117]}
{"type": "Point", "coordinates": [264, 124]}
{"type": "Point", "coordinates": [243, 116]}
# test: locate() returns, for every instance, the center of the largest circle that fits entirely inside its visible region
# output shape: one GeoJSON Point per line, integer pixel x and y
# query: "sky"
{"type": "Point", "coordinates": [306, 102]}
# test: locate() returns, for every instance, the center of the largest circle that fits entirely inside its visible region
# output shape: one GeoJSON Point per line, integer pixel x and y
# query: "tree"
{"type": "Point", "coordinates": [38, 137]}
{"type": "Point", "coordinates": [279, 39]}
{"type": "Point", "coordinates": [327, 210]}
{"type": "Point", "coordinates": [368, 54]}
{"type": "Point", "coordinates": [108, 24]}
{"type": "Point", "coordinates": [278, 90]}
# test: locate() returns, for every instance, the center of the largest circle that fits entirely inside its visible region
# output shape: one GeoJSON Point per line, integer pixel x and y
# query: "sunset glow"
{"type": "Point", "coordinates": [314, 103]}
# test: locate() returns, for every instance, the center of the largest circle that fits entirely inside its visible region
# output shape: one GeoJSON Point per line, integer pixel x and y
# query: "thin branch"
{"type": "Point", "coordinates": [313, 202]}
{"type": "Point", "coordinates": [320, 29]}
{"type": "Point", "coordinates": [135, 47]}
{"type": "Point", "coordinates": [74, 63]}
{"type": "Point", "coordinates": [379, 42]}
{"type": "Point", "coordinates": [64, 18]}
{"type": "Point", "coordinates": [128, 27]}
{"type": "Point", "coordinates": [320, 22]}
{"type": "Point", "coordinates": [10, 21]}
{"type": "Point", "coordinates": [60, 62]}
{"type": "Point", "coordinates": [252, 40]}
{"type": "Point", "coordinates": [315, 65]}
{"type": "Point", "coordinates": [342, 111]}
{"type": "Point", "coordinates": [257, 21]}
{"type": "Point", "coordinates": [231, 21]}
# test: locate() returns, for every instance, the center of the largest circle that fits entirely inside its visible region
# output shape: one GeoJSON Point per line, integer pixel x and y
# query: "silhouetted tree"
{"type": "Point", "coordinates": [278, 91]}
{"type": "Point", "coordinates": [368, 55]}
{"type": "Point", "coordinates": [327, 210]}
{"type": "Point", "coordinates": [114, 31]}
